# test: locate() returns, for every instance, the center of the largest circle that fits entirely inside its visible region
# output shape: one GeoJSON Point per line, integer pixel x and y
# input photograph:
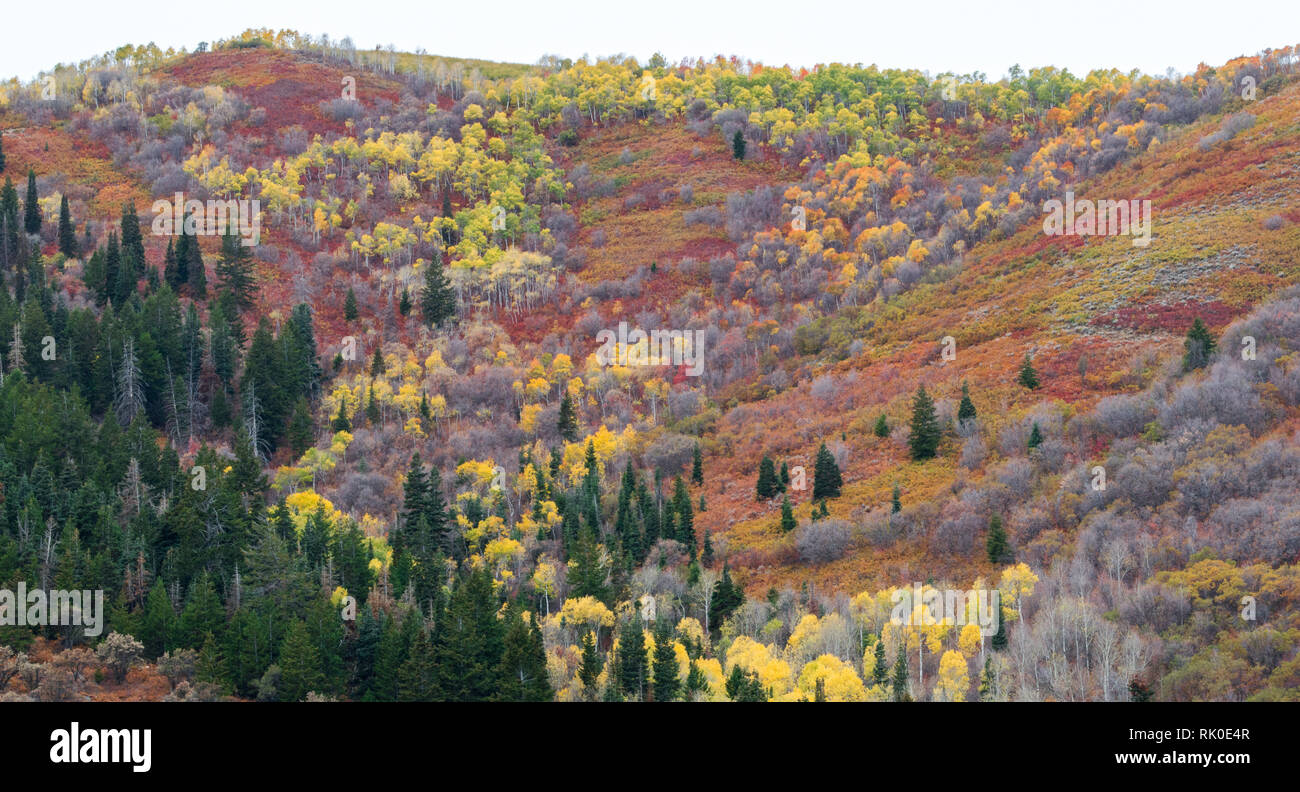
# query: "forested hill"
{"type": "Point", "coordinates": [381, 410]}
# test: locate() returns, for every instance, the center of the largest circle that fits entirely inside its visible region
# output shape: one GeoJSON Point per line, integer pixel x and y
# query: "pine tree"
{"type": "Point", "coordinates": [67, 234]}
{"type": "Point", "coordinates": [996, 541]}
{"type": "Point", "coordinates": [299, 432]}
{"type": "Point", "coordinates": [341, 422]}
{"type": "Point", "coordinates": [235, 269]}
{"type": "Point", "coordinates": [767, 485]}
{"type": "Point", "coordinates": [631, 659]}
{"type": "Point", "coordinates": [1028, 377]}
{"type": "Point", "coordinates": [880, 673]}
{"type": "Point", "coordinates": [988, 684]}
{"type": "Point", "coordinates": [900, 676]}
{"type": "Point", "coordinates": [568, 421]}
{"type": "Point", "coordinates": [1198, 347]}
{"type": "Point", "coordinates": [350, 306]}
{"type": "Point", "coordinates": [896, 501]}
{"type": "Point", "coordinates": [788, 522]}
{"type": "Point", "coordinates": [924, 439]}
{"type": "Point", "coordinates": [697, 466]}
{"type": "Point", "coordinates": [966, 410]}
{"type": "Point", "coordinates": [592, 665]}
{"type": "Point", "coordinates": [1035, 437]}
{"type": "Point", "coordinates": [681, 506]}
{"type": "Point", "coordinates": [417, 678]}
{"type": "Point", "coordinates": [667, 680]}
{"type": "Point", "coordinates": [31, 207]}
{"type": "Point", "coordinates": [738, 145]}
{"type": "Point", "coordinates": [523, 662]}
{"type": "Point", "coordinates": [881, 428]}
{"type": "Point", "coordinates": [999, 640]}
{"type": "Point", "coordinates": [211, 665]}
{"type": "Point", "coordinates": [784, 477]}
{"type": "Point", "coordinates": [404, 304]}
{"type": "Point", "coordinates": [437, 300]}
{"type": "Point", "coordinates": [372, 408]}
{"type": "Point", "coordinates": [300, 664]}
{"type": "Point", "coordinates": [826, 476]}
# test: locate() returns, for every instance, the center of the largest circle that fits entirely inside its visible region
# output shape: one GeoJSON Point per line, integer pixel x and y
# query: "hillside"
{"type": "Point", "coordinates": [398, 394]}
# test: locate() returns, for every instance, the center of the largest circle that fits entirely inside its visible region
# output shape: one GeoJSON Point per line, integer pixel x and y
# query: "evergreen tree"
{"type": "Point", "coordinates": [880, 673]}
{"type": "Point", "coordinates": [999, 640]}
{"type": "Point", "coordinates": [568, 421]}
{"type": "Point", "coordinates": [631, 659]}
{"type": "Point", "coordinates": [2, 152]}
{"type": "Point", "coordinates": [300, 427]}
{"type": "Point", "coordinates": [1035, 437]}
{"type": "Point", "coordinates": [966, 410]}
{"type": "Point", "coordinates": [523, 662]}
{"type": "Point", "coordinates": [341, 422]}
{"type": "Point", "coordinates": [211, 665]}
{"type": "Point", "coordinates": [826, 476]}
{"type": "Point", "coordinates": [924, 439]}
{"type": "Point", "coordinates": [784, 477]}
{"type": "Point", "coordinates": [900, 676]}
{"type": "Point", "coordinates": [896, 502]}
{"type": "Point", "coordinates": [1028, 377]}
{"type": "Point", "coordinates": [404, 304]}
{"type": "Point", "coordinates": [437, 300]}
{"type": "Point", "coordinates": [592, 665]}
{"type": "Point", "coordinates": [767, 485]}
{"type": "Point", "coordinates": [996, 541]}
{"type": "Point", "coordinates": [1198, 347]}
{"type": "Point", "coordinates": [588, 573]}
{"type": "Point", "coordinates": [67, 234]}
{"type": "Point", "coordinates": [31, 207]}
{"type": "Point", "coordinates": [300, 664]}
{"type": "Point", "coordinates": [881, 428]}
{"type": "Point", "coordinates": [377, 363]}
{"type": "Point", "coordinates": [738, 145]}
{"type": "Point", "coordinates": [667, 680]}
{"type": "Point", "coordinates": [372, 409]}
{"type": "Point", "coordinates": [350, 306]}
{"type": "Point", "coordinates": [417, 677]}
{"type": "Point", "coordinates": [788, 522]}
{"type": "Point", "coordinates": [988, 684]}
{"type": "Point", "coordinates": [235, 269]}
{"type": "Point", "coordinates": [697, 466]}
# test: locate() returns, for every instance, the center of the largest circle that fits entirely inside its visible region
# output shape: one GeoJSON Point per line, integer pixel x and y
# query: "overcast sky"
{"type": "Point", "coordinates": [933, 35]}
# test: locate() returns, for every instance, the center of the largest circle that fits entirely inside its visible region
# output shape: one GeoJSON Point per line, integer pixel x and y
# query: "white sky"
{"type": "Point", "coordinates": [933, 35]}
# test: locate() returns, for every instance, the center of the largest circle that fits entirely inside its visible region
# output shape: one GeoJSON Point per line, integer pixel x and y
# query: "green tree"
{"type": "Point", "coordinates": [235, 269]}
{"type": "Point", "coordinates": [738, 145]}
{"type": "Point", "coordinates": [437, 300]}
{"type": "Point", "coordinates": [924, 438]}
{"type": "Point", "coordinates": [300, 665]}
{"type": "Point", "coordinates": [1028, 377]}
{"type": "Point", "coordinates": [667, 679]}
{"type": "Point", "coordinates": [404, 304]}
{"type": "Point", "coordinates": [966, 410]}
{"type": "Point", "coordinates": [996, 540]}
{"type": "Point", "coordinates": [826, 476]}
{"type": "Point", "coordinates": [350, 306]}
{"type": "Point", "coordinates": [67, 234]}
{"type": "Point", "coordinates": [1035, 437]}
{"type": "Point", "coordinates": [568, 421]}
{"type": "Point", "coordinates": [900, 675]}
{"type": "Point", "coordinates": [697, 466]}
{"type": "Point", "coordinates": [788, 522]}
{"type": "Point", "coordinates": [1198, 347]}
{"type": "Point", "coordinates": [768, 484]}
{"type": "Point", "coordinates": [881, 428]}
{"type": "Point", "coordinates": [31, 207]}
{"type": "Point", "coordinates": [632, 659]}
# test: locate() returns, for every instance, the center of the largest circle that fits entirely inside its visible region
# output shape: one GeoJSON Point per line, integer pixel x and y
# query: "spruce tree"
{"type": "Point", "coordinates": [631, 659]}
{"type": "Point", "coordinates": [1028, 377]}
{"type": "Point", "coordinates": [372, 409]}
{"type": "Point", "coordinates": [31, 207]}
{"type": "Point", "coordinates": [788, 522]}
{"type": "Point", "coordinates": [67, 234]}
{"type": "Point", "coordinates": [437, 300]}
{"type": "Point", "coordinates": [300, 664]}
{"type": "Point", "coordinates": [996, 541]}
{"type": "Point", "coordinates": [768, 484]}
{"type": "Point", "coordinates": [592, 665]}
{"type": "Point", "coordinates": [896, 501]}
{"type": "Point", "coordinates": [784, 477]}
{"type": "Point", "coordinates": [417, 678]}
{"type": "Point", "coordinates": [738, 145]}
{"type": "Point", "coordinates": [341, 422]}
{"type": "Point", "coordinates": [667, 680]}
{"type": "Point", "coordinates": [299, 433]}
{"type": "Point", "coordinates": [697, 466]}
{"type": "Point", "coordinates": [404, 303]}
{"type": "Point", "coordinates": [1035, 437]}
{"type": "Point", "coordinates": [881, 428]}
{"type": "Point", "coordinates": [924, 438]}
{"type": "Point", "coordinates": [235, 269]}
{"type": "Point", "coordinates": [900, 675]}
{"type": "Point", "coordinates": [568, 421]}
{"type": "Point", "coordinates": [880, 672]}
{"type": "Point", "coordinates": [826, 476]}
{"type": "Point", "coordinates": [966, 410]}
{"type": "Point", "coordinates": [988, 685]}
{"type": "Point", "coordinates": [999, 640]}
{"type": "Point", "coordinates": [350, 313]}
{"type": "Point", "coordinates": [1198, 347]}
